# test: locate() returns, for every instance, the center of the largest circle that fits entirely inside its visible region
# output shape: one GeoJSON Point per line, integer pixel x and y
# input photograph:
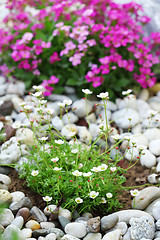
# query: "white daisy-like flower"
{"type": "Point", "coordinates": [37, 94]}
{"type": "Point", "coordinates": [67, 102]}
{"type": "Point", "coordinates": [127, 137]}
{"type": "Point", "coordinates": [74, 151]}
{"type": "Point", "coordinates": [95, 169]}
{"type": "Point", "coordinates": [93, 194]}
{"type": "Point", "coordinates": [47, 198]}
{"type": "Point", "coordinates": [42, 101]}
{"type": "Point", "coordinates": [88, 174]}
{"type": "Point", "coordinates": [49, 111]}
{"type": "Point", "coordinates": [134, 192]}
{"type": "Point", "coordinates": [71, 134]}
{"type": "Point", "coordinates": [16, 124]}
{"type": "Point", "coordinates": [113, 169]}
{"type": "Point", "coordinates": [141, 147]}
{"type": "Point", "coordinates": [61, 104]}
{"type": "Point", "coordinates": [87, 91]}
{"type": "Point", "coordinates": [116, 137]}
{"type": "Point", "coordinates": [59, 141]}
{"type": "Point", "coordinates": [22, 104]}
{"type": "Point", "coordinates": [34, 173]}
{"type": "Point", "coordinates": [109, 195]}
{"type": "Point", "coordinates": [126, 92]}
{"type": "Point", "coordinates": [103, 200]}
{"type": "Point", "coordinates": [39, 87]}
{"type": "Point", "coordinates": [103, 95]}
{"type": "Point", "coordinates": [151, 113]}
{"type": "Point", "coordinates": [77, 173]}
{"type": "Point", "coordinates": [27, 107]}
{"type": "Point", "coordinates": [43, 138]}
{"type": "Point", "coordinates": [80, 165]}
{"type": "Point", "coordinates": [57, 169]}
{"type": "Point", "coordinates": [78, 200]}
{"type": "Point", "coordinates": [55, 159]}
{"type": "Point", "coordinates": [103, 167]}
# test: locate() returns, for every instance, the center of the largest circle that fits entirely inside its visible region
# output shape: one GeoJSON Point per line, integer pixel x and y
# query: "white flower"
{"type": "Point", "coordinates": [22, 104]}
{"type": "Point", "coordinates": [116, 137]}
{"type": "Point", "coordinates": [42, 101]}
{"type": "Point", "coordinates": [57, 169]}
{"type": "Point", "coordinates": [141, 147]}
{"type": "Point", "coordinates": [16, 124]}
{"type": "Point", "coordinates": [77, 173]}
{"type": "Point", "coordinates": [43, 138]}
{"type": "Point", "coordinates": [127, 137]}
{"type": "Point", "coordinates": [61, 104]}
{"type": "Point", "coordinates": [151, 113]}
{"type": "Point", "coordinates": [103, 200]}
{"type": "Point", "coordinates": [109, 195]}
{"type": "Point", "coordinates": [59, 141]}
{"type": "Point", "coordinates": [39, 87]}
{"type": "Point", "coordinates": [80, 165]}
{"type": "Point", "coordinates": [71, 134]}
{"type": "Point", "coordinates": [113, 169]}
{"type": "Point", "coordinates": [37, 94]}
{"type": "Point", "coordinates": [1, 102]}
{"type": "Point", "coordinates": [88, 174]}
{"type": "Point", "coordinates": [93, 194]}
{"type": "Point", "coordinates": [74, 150]}
{"type": "Point", "coordinates": [47, 198]}
{"type": "Point", "coordinates": [34, 173]}
{"type": "Point", "coordinates": [78, 200]}
{"type": "Point", "coordinates": [49, 111]}
{"type": "Point", "coordinates": [87, 91]}
{"type": "Point", "coordinates": [55, 159]}
{"type": "Point", "coordinates": [95, 169]}
{"type": "Point", "coordinates": [103, 95]}
{"type": "Point", "coordinates": [127, 92]}
{"type": "Point", "coordinates": [134, 192]}
{"type": "Point", "coordinates": [67, 102]}
{"type": "Point", "coordinates": [27, 107]}
{"type": "Point", "coordinates": [103, 167]}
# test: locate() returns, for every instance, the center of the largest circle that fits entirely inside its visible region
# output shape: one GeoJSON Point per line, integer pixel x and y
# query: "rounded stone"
{"type": "Point", "coordinates": [154, 147]}
{"type": "Point", "coordinates": [50, 208]}
{"type": "Point", "coordinates": [38, 214]}
{"type": "Point", "coordinates": [122, 226]}
{"type": "Point", "coordinates": [93, 225]}
{"type": "Point", "coordinates": [145, 197]}
{"type": "Point", "coordinates": [91, 236]}
{"type": "Point", "coordinates": [25, 135]}
{"type": "Point", "coordinates": [6, 217]}
{"type": "Point", "coordinates": [10, 230]}
{"type": "Point", "coordinates": [5, 179]}
{"type": "Point", "coordinates": [112, 235]}
{"type": "Point", "coordinates": [108, 222]}
{"type": "Point", "coordinates": [152, 134]}
{"type": "Point", "coordinates": [65, 213]}
{"type": "Point", "coordinates": [82, 107]}
{"type": "Point", "coordinates": [147, 159]}
{"type": "Point", "coordinates": [24, 212]}
{"type": "Point", "coordinates": [27, 232]}
{"type": "Point", "coordinates": [18, 222]}
{"type": "Point", "coordinates": [51, 236]}
{"type": "Point", "coordinates": [5, 196]}
{"type": "Point", "coordinates": [17, 196]}
{"type": "Point", "coordinates": [69, 237]}
{"type": "Point", "coordinates": [75, 229]}
{"type": "Point", "coordinates": [47, 225]}
{"type": "Point", "coordinates": [33, 225]}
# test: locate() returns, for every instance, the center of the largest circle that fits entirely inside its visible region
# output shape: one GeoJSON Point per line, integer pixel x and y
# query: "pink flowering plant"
{"type": "Point", "coordinates": [97, 44]}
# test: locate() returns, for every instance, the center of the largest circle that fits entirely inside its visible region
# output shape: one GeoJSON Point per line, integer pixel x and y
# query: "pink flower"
{"type": "Point", "coordinates": [16, 55]}
{"type": "Point", "coordinates": [70, 45]}
{"type": "Point", "coordinates": [54, 57]}
{"type": "Point", "coordinates": [46, 44]}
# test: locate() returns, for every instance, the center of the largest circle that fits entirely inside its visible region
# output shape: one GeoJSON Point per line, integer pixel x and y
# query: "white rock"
{"type": "Point", "coordinates": [84, 135]}
{"type": "Point", "coordinates": [125, 118]}
{"type": "Point", "coordinates": [132, 154]}
{"type": "Point", "coordinates": [75, 229]}
{"type": "Point", "coordinates": [158, 168]}
{"type": "Point", "coordinates": [138, 139]}
{"type": "Point", "coordinates": [143, 108]}
{"type": "Point", "coordinates": [152, 178]}
{"type": "Point", "coordinates": [152, 134]}
{"type": "Point", "coordinates": [51, 236]}
{"type": "Point", "coordinates": [69, 118]}
{"type": "Point", "coordinates": [103, 117]}
{"type": "Point", "coordinates": [16, 103]}
{"type": "Point", "coordinates": [33, 225]}
{"type": "Point", "coordinates": [91, 236]}
{"type": "Point", "coordinates": [91, 118]}
{"type": "Point", "coordinates": [147, 159]}
{"type": "Point", "coordinates": [5, 196]}
{"type": "Point", "coordinates": [18, 222]}
{"type": "Point", "coordinates": [27, 233]}
{"type": "Point", "coordinates": [122, 226]}
{"type": "Point", "coordinates": [47, 225]}
{"type": "Point", "coordinates": [17, 88]}
{"type": "Point", "coordinates": [94, 130]}
{"type": "Point", "coordinates": [65, 213]}
{"type": "Point", "coordinates": [155, 106]}
{"type": "Point", "coordinates": [130, 101]}
{"type": "Point", "coordinates": [49, 209]}
{"type": "Point", "coordinates": [55, 107]}
{"type": "Point", "coordinates": [10, 231]}
{"type": "Point", "coordinates": [154, 147]}
{"type": "Point", "coordinates": [58, 97]}
{"type": "Point", "coordinates": [6, 217]}
{"type": "Point", "coordinates": [116, 234]}
{"type": "Point", "coordinates": [156, 211]}
{"type": "Point", "coordinates": [144, 94]}
{"type": "Point", "coordinates": [25, 135]}
{"type": "Point", "coordinates": [153, 122]}
{"type": "Point", "coordinates": [110, 105]}
{"type": "Point", "coordinates": [68, 129]}
{"type": "Point", "coordinates": [17, 196]}
{"type": "Point", "coordinates": [69, 237]}
{"type": "Point", "coordinates": [82, 107]}
{"type": "Point", "coordinates": [137, 129]}
{"type": "Point", "coordinates": [57, 123]}
{"type": "Point", "coordinates": [5, 179]}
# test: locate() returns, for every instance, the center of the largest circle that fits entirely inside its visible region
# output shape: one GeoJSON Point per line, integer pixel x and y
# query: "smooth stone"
{"type": "Point", "coordinates": [151, 206]}
{"type": "Point", "coordinates": [142, 228]}
{"type": "Point", "coordinates": [75, 229]}
{"type": "Point", "coordinates": [27, 232]}
{"type": "Point", "coordinates": [18, 222]}
{"type": "Point", "coordinates": [151, 122]}
{"type": "Point", "coordinates": [17, 196]}
{"type": "Point", "coordinates": [152, 178]}
{"type": "Point", "coordinates": [69, 90]}
{"type": "Point", "coordinates": [144, 94]}
{"type": "Point", "coordinates": [148, 159]}
{"type": "Point", "coordinates": [47, 225]}
{"type": "Point", "coordinates": [93, 236]}
{"type": "Point", "coordinates": [59, 233]}
{"type": "Point", "coordinates": [24, 202]}
{"type": "Point", "coordinates": [38, 214]}
{"type": "Point", "coordinates": [65, 213]}
{"type": "Point", "coordinates": [63, 221]}
{"type": "Point", "coordinates": [94, 130]}
{"type": "Point", "coordinates": [155, 106]}
{"type": "Point", "coordinates": [5, 179]}
{"type": "Point", "coordinates": [17, 88]}
{"type": "Point", "coordinates": [91, 118]}
{"type": "Point", "coordinates": [57, 123]}
{"type": "Point", "coordinates": [84, 135]}
{"type": "Point", "coordinates": [137, 129]}
{"type": "Point", "coordinates": [58, 97]}
{"type": "Point", "coordinates": [68, 129]}
{"type": "Point", "coordinates": [54, 214]}
{"type": "Point", "coordinates": [5, 196]}
{"type": "Point", "coordinates": [51, 236]}
{"type": "Point", "coordinates": [88, 215]}
{"type": "Point", "coordinates": [33, 225]}
{"type": "Point", "coordinates": [25, 135]}
{"type": "Point", "coordinates": [10, 151]}
{"type": "Point", "coordinates": [69, 117]}
{"type": "Point", "coordinates": [157, 234]}
{"type": "Point", "coordinates": [54, 106]}
{"type": "Point", "coordinates": [24, 212]}
{"type": "Point", "coordinates": [121, 118]}
{"type": "Point", "coordinates": [82, 107]}
{"type": "Point", "coordinates": [138, 139]}
{"type": "Point", "coordinates": [143, 108]}
{"type": "Point", "coordinates": [108, 222]}
{"type": "Point", "coordinates": [152, 134]}
{"type": "Point", "coordinates": [127, 236]}
{"type": "Point", "coordinates": [69, 237]}
{"type": "Point", "coordinates": [40, 232]}
{"type": "Point", "coordinates": [157, 225]}
{"type": "Point", "coordinates": [116, 234]}
{"type": "Point", "coordinates": [122, 226]}
{"type": "Point", "coordinates": [12, 230]}
{"type": "Point", "coordinates": [16, 103]}
{"type": "Point", "coordinates": [103, 116]}
{"type": "Point", "coordinates": [126, 215]}
{"type": "Point", "coordinates": [145, 197]}
{"type": "Point", "coordinates": [158, 168]}
{"type": "Point", "coordinates": [3, 186]}
{"type": "Point", "coordinates": [6, 108]}
{"type": "Point", "coordinates": [93, 225]}
{"type": "Point", "coordinates": [154, 147]}
{"type": "Point", "coordinates": [156, 211]}
{"type": "Point", "coordinates": [6, 217]}
{"type": "Point", "coordinates": [5, 170]}
{"type": "Point", "coordinates": [132, 154]}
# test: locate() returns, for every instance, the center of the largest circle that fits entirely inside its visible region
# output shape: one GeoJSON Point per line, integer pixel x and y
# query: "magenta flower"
{"type": "Point", "coordinates": [54, 57]}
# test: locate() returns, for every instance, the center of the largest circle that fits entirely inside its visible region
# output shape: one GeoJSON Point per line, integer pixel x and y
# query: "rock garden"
{"type": "Point", "coordinates": [79, 122]}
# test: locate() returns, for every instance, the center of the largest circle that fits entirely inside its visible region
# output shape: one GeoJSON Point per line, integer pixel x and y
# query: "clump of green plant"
{"type": "Point", "coordinates": [76, 175]}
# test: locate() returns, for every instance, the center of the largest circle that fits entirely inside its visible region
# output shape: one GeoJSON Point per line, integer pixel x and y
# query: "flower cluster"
{"type": "Point", "coordinates": [78, 42]}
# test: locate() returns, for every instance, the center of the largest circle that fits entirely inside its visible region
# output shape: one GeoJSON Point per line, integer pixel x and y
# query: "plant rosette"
{"type": "Point", "coordinates": [94, 44]}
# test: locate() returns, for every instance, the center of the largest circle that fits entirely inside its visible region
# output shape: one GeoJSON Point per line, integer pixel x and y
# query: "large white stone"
{"type": "Point", "coordinates": [69, 118]}
{"type": "Point", "coordinates": [132, 154]}
{"type": "Point", "coordinates": [75, 229]}
{"type": "Point", "coordinates": [6, 217]}
{"type": "Point", "coordinates": [82, 107]}
{"type": "Point", "coordinates": [116, 234]}
{"type": "Point", "coordinates": [147, 159]}
{"type": "Point", "coordinates": [138, 139]}
{"type": "Point", "coordinates": [154, 147]}
{"type": "Point", "coordinates": [152, 134]}
{"type": "Point", "coordinates": [25, 135]}
{"type": "Point", "coordinates": [10, 231]}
